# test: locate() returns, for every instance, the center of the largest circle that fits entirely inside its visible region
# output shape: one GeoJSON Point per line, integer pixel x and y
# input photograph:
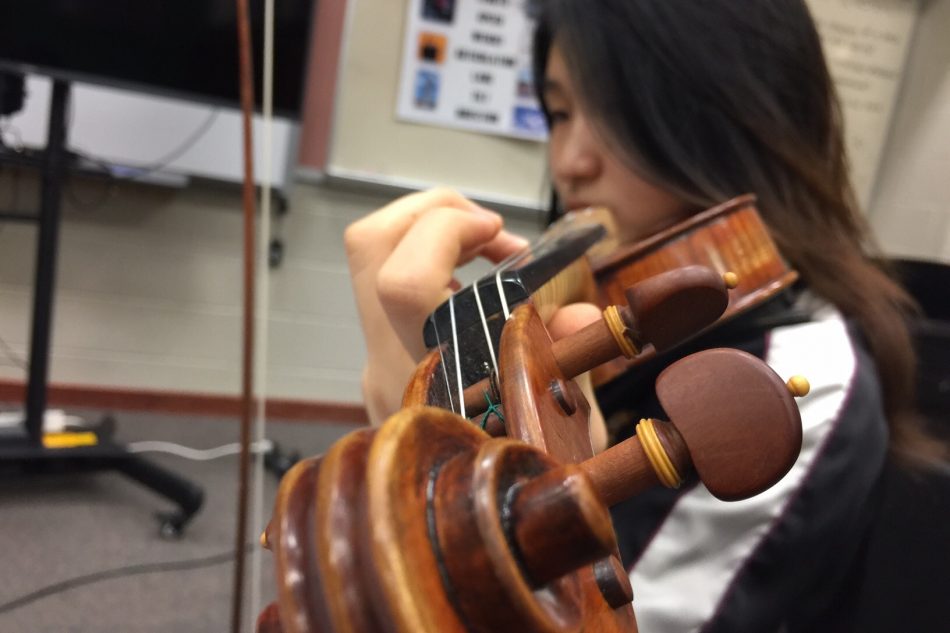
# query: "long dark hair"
{"type": "Point", "coordinates": [710, 99]}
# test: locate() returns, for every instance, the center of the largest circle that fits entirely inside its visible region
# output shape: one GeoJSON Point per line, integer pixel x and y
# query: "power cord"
{"type": "Point", "coordinates": [131, 173]}
{"type": "Point", "coordinates": [119, 572]}
{"type": "Point", "coordinates": [146, 446]}
{"type": "Point", "coordinates": [275, 460]}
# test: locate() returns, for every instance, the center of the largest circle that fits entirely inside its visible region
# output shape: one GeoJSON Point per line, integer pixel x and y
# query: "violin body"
{"type": "Point", "coordinates": [730, 237]}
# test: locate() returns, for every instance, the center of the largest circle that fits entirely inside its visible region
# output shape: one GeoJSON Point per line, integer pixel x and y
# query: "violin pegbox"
{"type": "Point", "coordinates": [543, 406]}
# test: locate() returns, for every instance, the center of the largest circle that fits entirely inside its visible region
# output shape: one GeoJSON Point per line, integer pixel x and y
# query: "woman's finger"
{"type": "Point", "coordinates": [416, 277]}
{"type": "Point", "coordinates": [572, 318]}
{"type": "Point", "coordinates": [379, 232]}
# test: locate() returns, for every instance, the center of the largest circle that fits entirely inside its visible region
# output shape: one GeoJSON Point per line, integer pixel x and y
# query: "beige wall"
{"type": "Point", "coordinates": [911, 208]}
{"type": "Point", "coordinates": [149, 290]}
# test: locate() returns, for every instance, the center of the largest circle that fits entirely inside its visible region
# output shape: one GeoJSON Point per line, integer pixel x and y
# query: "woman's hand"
{"type": "Point", "coordinates": [402, 260]}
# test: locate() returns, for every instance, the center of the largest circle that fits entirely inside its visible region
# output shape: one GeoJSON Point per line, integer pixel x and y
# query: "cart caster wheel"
{"type": "Point", "coordinates": [275, 254]}
{"type": "Point", "coordinates": [171, 526]}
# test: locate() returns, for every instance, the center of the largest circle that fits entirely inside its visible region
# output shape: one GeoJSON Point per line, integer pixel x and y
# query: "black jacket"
{"type": "Point", "coordinates": [782, 560]}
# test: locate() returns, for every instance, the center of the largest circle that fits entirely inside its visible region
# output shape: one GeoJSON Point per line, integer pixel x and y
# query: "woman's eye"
{"type": "Point", "coordinates": [558, 116]}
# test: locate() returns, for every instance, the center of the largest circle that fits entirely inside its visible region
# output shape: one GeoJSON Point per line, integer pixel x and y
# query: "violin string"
{"type": "Point", "coordinates": [502, 266]}
{"type": "Point", "coordinates": [499, 268]}
{"type": "Point", "coordinates": [510, 261]}
{"type": "Point", "coordinates": [458, 364]}
{"type": "Point", "coordinates": [501, 296]}
{"type": "Point", "coordinates": [445, 372]}
{"type": "Point", "coordinates": [488, 341]}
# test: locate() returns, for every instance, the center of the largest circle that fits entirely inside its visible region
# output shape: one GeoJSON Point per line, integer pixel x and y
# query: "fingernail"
{"type": "Point", "coordinates": [522, 241]}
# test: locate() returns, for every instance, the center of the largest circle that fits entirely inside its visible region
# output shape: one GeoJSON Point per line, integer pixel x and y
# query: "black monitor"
{"type": "Point", "coordinates": [183, 48]}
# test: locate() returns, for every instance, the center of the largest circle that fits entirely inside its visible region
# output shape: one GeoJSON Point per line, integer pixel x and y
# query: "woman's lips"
{"type": "Point", "coordinates": [574, 205]}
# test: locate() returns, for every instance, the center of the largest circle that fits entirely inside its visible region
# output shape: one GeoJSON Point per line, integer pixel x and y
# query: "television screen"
{"type": "Point", "coordinates": [185, 48]}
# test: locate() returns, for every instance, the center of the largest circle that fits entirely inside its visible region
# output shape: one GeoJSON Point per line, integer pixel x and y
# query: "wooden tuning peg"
{"type": "Point", "coordinates": [661, 311]}
{"type": "Point", "coordinates": [732, 420]}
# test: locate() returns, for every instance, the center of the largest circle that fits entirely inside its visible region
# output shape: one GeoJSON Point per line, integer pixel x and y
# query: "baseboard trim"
{"type": "Point", "coordinates": [186, 403]}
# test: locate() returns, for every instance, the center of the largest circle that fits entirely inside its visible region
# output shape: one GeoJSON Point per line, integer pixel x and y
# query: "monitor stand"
{"type": "Point", "coordinates": [24, 447]}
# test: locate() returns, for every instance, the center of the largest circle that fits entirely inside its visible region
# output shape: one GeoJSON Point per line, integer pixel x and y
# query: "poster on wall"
{"type": "Point", "coordinates": [467, 65]}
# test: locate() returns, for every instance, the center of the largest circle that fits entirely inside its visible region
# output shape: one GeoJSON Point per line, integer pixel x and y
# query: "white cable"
{"type": "Point", "coordinates": [196, 454]}
{"type": "Point", "coordinates": [445, 372]}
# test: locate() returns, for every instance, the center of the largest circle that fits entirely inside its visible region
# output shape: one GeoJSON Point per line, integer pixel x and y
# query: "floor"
{"type": "Point", "coordinates": [83, 553]}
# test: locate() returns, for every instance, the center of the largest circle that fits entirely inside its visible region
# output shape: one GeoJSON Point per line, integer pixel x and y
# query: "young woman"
{"type": "Point", "coordinates": [659, 109]}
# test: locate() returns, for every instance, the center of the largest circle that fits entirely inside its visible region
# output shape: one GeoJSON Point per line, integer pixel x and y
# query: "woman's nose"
{"type": "Point", "coordinates": [576, 155]}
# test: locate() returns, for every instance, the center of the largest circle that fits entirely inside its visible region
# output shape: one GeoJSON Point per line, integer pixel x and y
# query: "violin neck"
{"type": "Point", "coordinates": [514, 282]}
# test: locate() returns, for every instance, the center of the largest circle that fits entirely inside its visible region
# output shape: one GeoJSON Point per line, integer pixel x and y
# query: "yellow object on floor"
{"type": "Point", "coordinates": [69, 440]}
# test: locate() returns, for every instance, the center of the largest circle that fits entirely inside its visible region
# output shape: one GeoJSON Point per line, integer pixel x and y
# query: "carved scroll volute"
{"type": "Point", "coordinates": [430, 524]}
{"type": "Point", "coordinates": [315, 537]}
{"type": "Point", "coordinates": [454, 547]}
{"type": "Point", "coordinates": [289, 536]}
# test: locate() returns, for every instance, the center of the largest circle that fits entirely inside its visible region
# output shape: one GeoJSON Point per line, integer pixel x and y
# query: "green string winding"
{"type": "Point", "coordinates": [492, 408]}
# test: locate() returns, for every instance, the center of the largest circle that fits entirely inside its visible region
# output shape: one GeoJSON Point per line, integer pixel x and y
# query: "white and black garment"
{"type": "Point", "coordinates": [781, 560]}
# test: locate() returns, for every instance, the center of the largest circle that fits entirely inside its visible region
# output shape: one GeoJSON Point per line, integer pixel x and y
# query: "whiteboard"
{"type": "Point", "coordinates": [866, 41]}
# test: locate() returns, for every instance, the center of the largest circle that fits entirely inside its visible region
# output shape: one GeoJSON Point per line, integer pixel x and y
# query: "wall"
{"type": "Point", "coordinates": [148, 291]}
{"type": "Point", "coordinates": [911, 208]}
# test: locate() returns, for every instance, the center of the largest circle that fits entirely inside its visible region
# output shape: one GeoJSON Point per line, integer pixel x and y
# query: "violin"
{"type": "Point", "coordinates": [431, 523]}
{"type": "Point", "coordinates": [729, 239]}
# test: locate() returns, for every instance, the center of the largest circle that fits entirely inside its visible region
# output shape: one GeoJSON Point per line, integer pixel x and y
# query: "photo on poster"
{"type": "Point", "coordinates": [530, 120]}
{"type": "Point", "coordinates": [432, 47]}
{"type": "Point", "coordinates": [438, 10]}
{"type": "Point", "coordinates": [525, 83]}
{"type": "Point", "coordinates": [427, 90]}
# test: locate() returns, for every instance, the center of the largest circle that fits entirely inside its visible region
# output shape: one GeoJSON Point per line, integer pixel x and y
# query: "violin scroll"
{"type": "Point", "coordinates": [417, 526]}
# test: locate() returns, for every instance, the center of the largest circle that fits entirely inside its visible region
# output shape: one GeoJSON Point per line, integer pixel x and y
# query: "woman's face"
{"type": "Point", "coordinates": [587, 173]}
